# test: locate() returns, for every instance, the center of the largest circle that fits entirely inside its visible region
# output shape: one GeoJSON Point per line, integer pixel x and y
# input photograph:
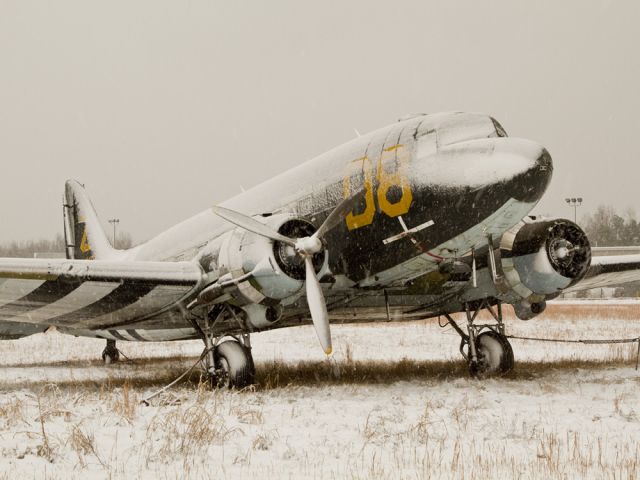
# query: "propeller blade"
{"type": "Point", "coordinates": [317, 306]}
{"type": "Point", "coordinates": [251, 224]}
{"type": "Point", "coordinates": [339, 213]}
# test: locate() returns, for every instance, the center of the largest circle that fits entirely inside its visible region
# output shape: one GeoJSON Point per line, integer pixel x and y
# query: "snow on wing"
{"type": "Point", "coordinates": [609, 270]}
{"type": "Point", "coordinates": [91, 294]}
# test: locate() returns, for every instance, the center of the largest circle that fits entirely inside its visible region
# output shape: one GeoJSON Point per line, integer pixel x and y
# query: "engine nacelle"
{"type": "Point", "coordinates": [277, 271]}
{"type": "Point", "coordinates": [541, 258]}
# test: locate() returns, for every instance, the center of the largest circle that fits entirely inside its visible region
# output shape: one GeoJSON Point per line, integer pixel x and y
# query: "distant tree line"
{"type": "Point", "coordinates": [27, 248]}
{"type": "Point", "coordinates": [44, 247]}
{"type": "Point", "coordinates": [606, 228]}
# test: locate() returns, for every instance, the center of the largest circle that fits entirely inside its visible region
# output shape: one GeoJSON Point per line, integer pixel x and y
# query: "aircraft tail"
{"type": "Point", "coordinates": [84, 237]}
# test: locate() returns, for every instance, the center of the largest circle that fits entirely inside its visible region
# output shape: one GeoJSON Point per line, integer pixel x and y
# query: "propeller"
{"type": "Point", "coordinates": [306, 247]}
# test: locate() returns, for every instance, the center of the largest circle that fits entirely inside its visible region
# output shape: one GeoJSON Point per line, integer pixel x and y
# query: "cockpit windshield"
{"type": "Point", "coordinates": [500, 132]}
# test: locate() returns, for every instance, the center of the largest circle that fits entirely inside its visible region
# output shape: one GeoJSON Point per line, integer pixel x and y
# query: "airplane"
{"type": "Point", "coordinates": [427, 217]}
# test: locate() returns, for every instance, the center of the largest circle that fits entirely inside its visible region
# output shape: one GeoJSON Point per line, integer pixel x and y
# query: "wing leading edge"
{"type": "Point", "coordinates": [609, 270]}
{"type": "Point", "coordinates": [91, 294]}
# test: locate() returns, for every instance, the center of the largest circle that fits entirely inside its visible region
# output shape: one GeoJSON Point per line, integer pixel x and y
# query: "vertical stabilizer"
{"type": "Point", "coordinates": [85, 239]}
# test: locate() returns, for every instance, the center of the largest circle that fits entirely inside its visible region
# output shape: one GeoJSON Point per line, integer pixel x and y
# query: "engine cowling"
{"type": "Point", "coordinates": [272, 273]}
{"type": "Point", "coordinates": [540, 258]}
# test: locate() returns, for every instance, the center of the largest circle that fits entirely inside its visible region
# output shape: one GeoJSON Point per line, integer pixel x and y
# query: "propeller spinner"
{"type": "Point", "coordinates": [305, 247]}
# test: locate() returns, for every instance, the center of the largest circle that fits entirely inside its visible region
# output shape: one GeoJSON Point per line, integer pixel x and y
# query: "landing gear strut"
{"type": "Point", "coordinates": [110, 354]}
{"type": "Point", "coordinates": [228, 363]}
{"type": "Point", "coordinates": [484, 346]}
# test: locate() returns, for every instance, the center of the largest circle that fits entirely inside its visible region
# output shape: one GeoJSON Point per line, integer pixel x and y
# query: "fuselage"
{"type": "Point", "coordinates": [452, 178]}
{"type": "Point", "coordinates": [430, 189]}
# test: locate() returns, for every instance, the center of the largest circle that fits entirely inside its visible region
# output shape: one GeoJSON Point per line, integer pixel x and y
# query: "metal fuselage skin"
{"type": "Point", "coordinates": [436, 187]}
{"type": "Point", "coordinates": [451, 172]}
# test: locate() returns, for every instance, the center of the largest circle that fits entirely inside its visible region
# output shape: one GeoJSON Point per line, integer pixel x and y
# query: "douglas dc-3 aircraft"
{"type": "Point", "coordinates": [426, 217]}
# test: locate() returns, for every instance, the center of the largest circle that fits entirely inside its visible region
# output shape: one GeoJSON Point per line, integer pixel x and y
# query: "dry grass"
{"type": "Point", "coordinates": [184, 433]}
{"type": "Point", "coordinates": [356, 416]}
{"type": "Point", "coordinates": [629, 311]}
{"type": "Point", "coordinates": [12, 413]}
{"type": "Point", "coordinates": [126, 403]}
{"type": "Point", "coordinates": [84, 444]}
{"type": "Point", "coordinates": [138, 362]}
{"type": "Point", "coordinates": [446, 453]}
{"type": "Point", "coordinates": [277, 375]}
{"type": "Point", "coordinates": [438, 443]}
{"type": "Point", "coordinates": [572, 311]}
{"type": "Point", "coordinates": [124, 393]}
{"type": "Point", "coordinates": [45, 449]}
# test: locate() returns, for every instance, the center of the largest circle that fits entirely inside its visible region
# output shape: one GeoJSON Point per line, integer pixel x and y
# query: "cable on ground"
{"type": "Point", "coordinates": [584, 341]}
{"type": "Point", "coordinates": [145, 401]}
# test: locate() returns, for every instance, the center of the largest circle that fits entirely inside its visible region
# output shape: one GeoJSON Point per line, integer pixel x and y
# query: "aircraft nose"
{"type": "Point", "coordinates": [530, 185]}
{"type": "Point", "coordinates": [515, 167]}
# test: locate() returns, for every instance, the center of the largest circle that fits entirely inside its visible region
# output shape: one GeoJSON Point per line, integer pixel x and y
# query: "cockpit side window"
{"type": "Point", "coordinates": [500, 132]}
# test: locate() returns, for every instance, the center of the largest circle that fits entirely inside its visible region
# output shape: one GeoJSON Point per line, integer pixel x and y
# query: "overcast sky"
{"type": "Point", "coordinates": [165, 108]}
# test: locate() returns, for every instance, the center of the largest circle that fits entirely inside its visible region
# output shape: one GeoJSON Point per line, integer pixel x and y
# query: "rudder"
{"type": "Point", "coordinates": [84, 237]}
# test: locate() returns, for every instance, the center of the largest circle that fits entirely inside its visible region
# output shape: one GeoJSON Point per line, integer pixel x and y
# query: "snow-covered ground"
{"type": "Point", "coordinates": [395, 402]}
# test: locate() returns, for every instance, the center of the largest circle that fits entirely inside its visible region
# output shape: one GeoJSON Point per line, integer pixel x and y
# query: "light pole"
{"type": "Point", "coordinates": [114, 222]}
{"type": "Point", "coordinates": [575, 203]}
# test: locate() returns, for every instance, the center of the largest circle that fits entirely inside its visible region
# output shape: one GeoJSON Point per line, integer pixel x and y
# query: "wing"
{"type": "Point", "coordinates": [609, 270]}
{"type": "Point", "coordinates": [92, 294]}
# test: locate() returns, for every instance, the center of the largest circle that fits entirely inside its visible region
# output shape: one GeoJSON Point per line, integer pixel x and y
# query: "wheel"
{"type": "Point", "coordinates": [233, 366]}
{"type": "Point", "coordinates": [495, 355]}
{"type": "Point", "coordinates": [110, 355]}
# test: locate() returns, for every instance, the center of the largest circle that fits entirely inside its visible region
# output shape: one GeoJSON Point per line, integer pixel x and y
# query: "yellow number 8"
{"type": "Point", "coordinates": [386, 180]}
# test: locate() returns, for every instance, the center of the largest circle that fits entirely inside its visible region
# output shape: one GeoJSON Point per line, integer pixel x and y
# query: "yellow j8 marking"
{"type": "Point", "coordinates": [390, 172]}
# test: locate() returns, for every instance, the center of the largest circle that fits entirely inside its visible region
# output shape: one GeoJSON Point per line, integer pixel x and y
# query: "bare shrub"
{"type": "Point", "coordinates": [45, 449]}
{"type": "Point", "coordinates": [185, 432]}
{"type": "Point", "coordinates": [262, 442]}
{"type": "Point", "coordinates": [83, 444]}
{"type": "Point", "coordinates": [126, 403]}
{"type": "Point", "coordinates": [13, 412]}
{"type": "Point", "coordinates": [249, 416]}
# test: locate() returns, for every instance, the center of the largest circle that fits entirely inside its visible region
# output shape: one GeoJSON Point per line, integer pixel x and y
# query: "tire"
{"type": "Point", "coordinates": [110, 356]}
{"type": "Point", "coordinates": [234, 365]}
{"type": "Point", "coordinates": [495, 355]}
{"type": "Point", "coordinates": [509, 359]}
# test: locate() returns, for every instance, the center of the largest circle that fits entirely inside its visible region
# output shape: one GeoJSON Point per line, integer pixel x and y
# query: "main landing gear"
{"type": "Point", "coordinates": [110, 354]}
{"type": "Point", "coordinates": [484, 346]}
{"type": "Point", "coordinates": [228, 360]}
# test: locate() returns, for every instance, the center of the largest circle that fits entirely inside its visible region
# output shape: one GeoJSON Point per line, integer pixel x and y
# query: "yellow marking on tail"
{"type": "Point", "coordinates": [84, 244]}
